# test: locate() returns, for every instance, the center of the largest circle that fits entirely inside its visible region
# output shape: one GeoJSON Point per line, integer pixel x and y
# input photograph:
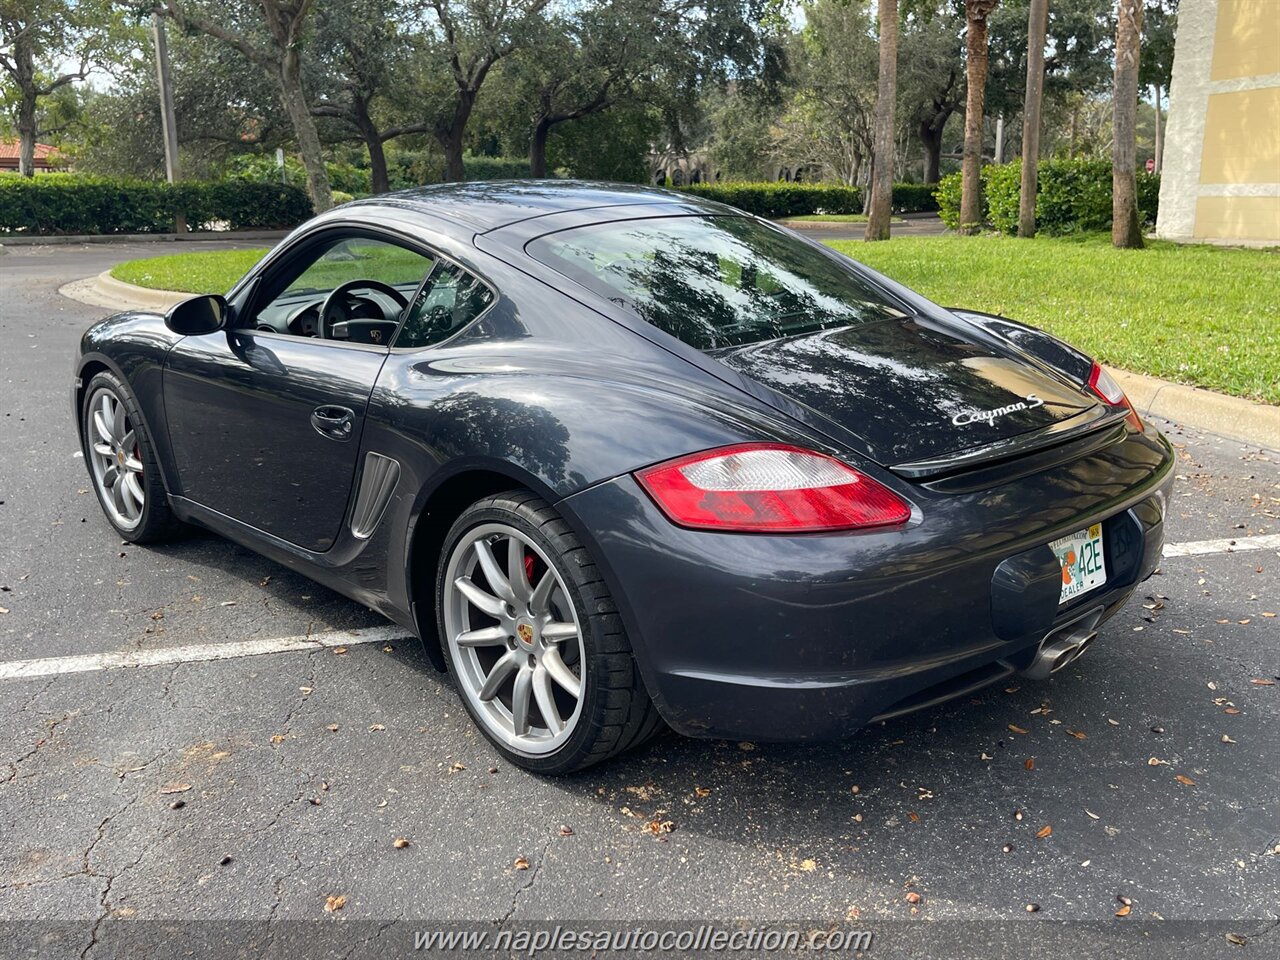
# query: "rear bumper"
{"type": "Point", "coordinates": [810, 637]}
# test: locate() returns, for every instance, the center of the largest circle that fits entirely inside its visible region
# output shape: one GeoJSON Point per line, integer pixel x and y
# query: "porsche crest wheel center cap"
{"type": "Point", "coordinates": [525, 632]}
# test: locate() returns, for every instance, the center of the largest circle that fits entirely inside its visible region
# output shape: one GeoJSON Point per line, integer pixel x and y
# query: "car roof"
{"type": "Point", "coordinates": [486, 205]}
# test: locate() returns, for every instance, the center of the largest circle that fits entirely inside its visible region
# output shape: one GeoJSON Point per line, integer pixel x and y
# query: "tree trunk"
{"type": "Point", "coordinates": [27, 133]}
{"type": "Point", "coordinates": [1126, 230]}
{"type": "Point", "coordinates": [304, 128]}
{"type": "Point", "coordinates": [881, 207]}
{"type": "Point", "coordinates": [975, 44]}
{"type": "Point", "coordinates": [1159, 133]}
{"type": "Point", "coordinates": [1037, 20]}
{"type": "Point", "coordinates": [931, 139]}
{"type": "Point", "coordinates": [451, 137]}
{"type": "Point", "coordinates": [998, 155]}
{"type": "Point", "coordinates": [538, 148]}
{"type": "Point", "coordinates": [379, 182]}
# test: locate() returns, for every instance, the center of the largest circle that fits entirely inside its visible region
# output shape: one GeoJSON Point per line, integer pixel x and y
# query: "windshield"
{"type": "Point", "coordinates": [714, 282]}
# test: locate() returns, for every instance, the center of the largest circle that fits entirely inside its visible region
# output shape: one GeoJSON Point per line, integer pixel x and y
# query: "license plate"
{"type": "Point", "coordinates": [1080, 557]}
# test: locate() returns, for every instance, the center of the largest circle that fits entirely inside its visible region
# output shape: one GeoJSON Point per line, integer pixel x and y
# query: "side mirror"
{"type": "Point", "coordinates": [197, 316]}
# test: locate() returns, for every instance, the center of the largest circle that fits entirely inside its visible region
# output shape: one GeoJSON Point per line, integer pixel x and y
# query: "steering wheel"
{"type": "Point", "coordinates": [331, 311]}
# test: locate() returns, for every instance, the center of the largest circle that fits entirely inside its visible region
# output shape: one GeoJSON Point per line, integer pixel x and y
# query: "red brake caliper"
{"type": "Point", "coordinates": [528, 567]}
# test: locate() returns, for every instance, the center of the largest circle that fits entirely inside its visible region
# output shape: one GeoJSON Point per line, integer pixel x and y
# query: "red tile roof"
{"type": "Point", "coordinates": [9, 150]}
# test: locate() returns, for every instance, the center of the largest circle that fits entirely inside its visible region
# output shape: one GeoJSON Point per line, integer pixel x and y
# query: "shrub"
{"type": "Point", "coordinates": [913, 198]}
{"type": "Point", "coordinates": [56, 203]}
{"type": "Point", "coordinates": [495, 168]}
{"type": "Point", "coordinates": [782, 199]}
{"type": "Point", "coordinates": [1074, 195]}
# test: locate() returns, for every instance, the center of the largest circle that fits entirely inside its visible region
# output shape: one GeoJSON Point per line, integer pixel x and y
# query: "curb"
{"type": "Point", "coordinates": [1257, 424]}
{"type": "Point", "coordinates": [1235, 418]}
{"type": "Point", "coordinates": [203, 236]}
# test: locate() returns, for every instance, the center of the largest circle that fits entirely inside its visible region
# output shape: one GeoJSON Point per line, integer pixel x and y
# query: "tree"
{"type": "Point", "coordinates": [39, 40]}
{"type": "Point", "coordinates": [465, 38]}
{"type": "Point", "coordinates": [1159, 30]}
{"type": "Point", "coordinates": [1126, 228]}
{"type": "Point", "coordinates": [361, 56]}
{"type": "Point", "coordinates": [273, 40]}
{"type": "Point", "coordinates": [882, 148]}
{"type": "Point", "coordinates": [976, 13]}
{"type": "Point", "coordinates": [1037, 22]}
{"type": "Point", "coordinates": [930, 79]}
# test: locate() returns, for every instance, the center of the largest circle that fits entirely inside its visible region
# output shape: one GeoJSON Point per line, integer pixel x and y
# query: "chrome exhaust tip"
{"type": "Point", "coordinates": [1057, 651]}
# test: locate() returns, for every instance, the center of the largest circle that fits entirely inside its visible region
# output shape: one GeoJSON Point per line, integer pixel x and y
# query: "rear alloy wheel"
{"type": "Point", "coordinates": [122, 463]}
{"type": "Point", "coordinates": [534, 642]}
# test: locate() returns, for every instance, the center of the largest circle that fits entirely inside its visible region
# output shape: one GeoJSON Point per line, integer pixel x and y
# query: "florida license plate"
{"type": "Point", "coordinates": [1080, 556]}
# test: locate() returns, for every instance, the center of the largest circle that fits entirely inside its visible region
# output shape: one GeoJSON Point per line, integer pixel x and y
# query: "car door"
{"type": "Point", "coordinates": [265, 426]}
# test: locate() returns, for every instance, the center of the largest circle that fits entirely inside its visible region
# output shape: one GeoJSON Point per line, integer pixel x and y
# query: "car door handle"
{"type": "Point", "coordinates": [336, 423]}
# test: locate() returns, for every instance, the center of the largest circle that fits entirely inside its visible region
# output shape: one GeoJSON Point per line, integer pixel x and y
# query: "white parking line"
{"type": "Point", "coordinates": [195, 653]}
{"type": "Point", "coordinates": [1196, 548]}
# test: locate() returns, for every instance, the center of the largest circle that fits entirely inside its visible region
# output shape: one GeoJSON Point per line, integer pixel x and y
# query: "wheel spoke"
{"type": "Point", "coordinates": [556, 632]}
{"type": "Point", "coordinates": [498, 675]}
{"type": "Point", "coordinates": [520, 701]}
{"type": "Point", "coordinates": [484, 637]}
{"type": "Point", "coordinates": [540, 599]}
{"type": "Point", "coordinates": [546, 701]}
{"type": "Point", "coordinates": [118, 499]}
{"type": "Point", "coordinates": [492, 572]}
{"type": "Point", "coordinates": [516, 574]}
{"type": "Point", "coordinates": [133, 490]}
{"type": "Point", "coordinates": [561, 673]}
{"type": "Point", "coordinates": [117, 422]}
{"type": "Point", "coordinates": [484, 601]}
{"type": "Point", "coordinates": [102, 425]}
{"type": "Point", "coordinates": [103, 450]}
{"type": "Point", "coordinates": [110, 475]}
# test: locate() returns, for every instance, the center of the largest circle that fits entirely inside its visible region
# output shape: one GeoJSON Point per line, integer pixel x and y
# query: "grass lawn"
{"type": "Point", "coordinates": [214, 271]}
{"type": "Point", "coordinates": [1208, 316]}
{"type": "Point", "coordinates": [1203, 315]}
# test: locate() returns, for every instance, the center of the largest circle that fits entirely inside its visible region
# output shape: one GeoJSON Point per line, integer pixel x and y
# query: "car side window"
{"type": "Point", "coordinates": [293, 303]}
{"type": "Point", "coordinates": [449, 300]}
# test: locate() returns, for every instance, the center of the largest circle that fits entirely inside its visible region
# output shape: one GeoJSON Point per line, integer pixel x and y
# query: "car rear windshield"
{"type": "Point", "coordinates": [714, 282]}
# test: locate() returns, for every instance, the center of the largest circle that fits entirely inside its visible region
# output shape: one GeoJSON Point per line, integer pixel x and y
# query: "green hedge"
{"type": "Point", "coordinates": [56, 203]}
{"type": "Point", "coordinates": [1074, 196]}
{"type": "Point", "coordinates": [914, 198]}
{"type": "Point", "coordinates": [782, 199]}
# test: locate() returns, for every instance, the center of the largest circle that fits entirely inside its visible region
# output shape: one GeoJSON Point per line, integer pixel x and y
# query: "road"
{"type": "Point", "coordinates": [220, 804]}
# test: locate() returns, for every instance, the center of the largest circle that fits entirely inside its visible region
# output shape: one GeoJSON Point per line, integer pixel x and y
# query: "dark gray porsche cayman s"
{"type": "Point", "coordinates": [621, 457]}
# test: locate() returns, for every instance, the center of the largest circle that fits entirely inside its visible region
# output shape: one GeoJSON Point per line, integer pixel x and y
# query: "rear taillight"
{"type": "Point", "coordinates": [769, 488]}
{"type": "Point", "coordinates": [1105, 386]}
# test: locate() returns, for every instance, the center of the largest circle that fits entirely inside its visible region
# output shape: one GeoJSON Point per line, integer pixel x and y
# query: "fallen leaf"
{"type": "Point", "coordinates": [659, 827]}
{"type": "Point", "coordinates": [1231, 711]}
{"type": "Point", "coordinates": [913, 816]}
{"type": "Point", "coordinates": [1007, 848]}
{"type": "Point", "coordinates": [1155, 762]}
{"type": "Point", "coordinates": [1017, 814]}
{"type": "Point", "coordinates": [374, 727]}
{"type": "Point", "coordinates": [334, 904]}
{"type": "Point", "coordinates": [1236, 940]}
{"type": "Point", "coordinates": [702, 791]}
{"type": "Point", "coordinates": [746, 745]}
{"type": "Point", "coordinates": [4, 609]}
{"type": "Point", "coordinates": [457, 766]}
{"type": "Point", "coordinates": [1078, 734]}
{"type": "Point", "coordinates": [1092, 815]}
{"type": "Point", "coordinates": [1124, 911]}
{"type": "Point", "coordinates": [400, 843]}
{"type": "Point", "coordinates": [332, 728]}
{"type": "Point", "coordinates": [1033, 908]}
{"type": "Point", "coordinates": [169, 788]}
{"type": "Point", "coordinates": [913, 897]}
{"type": "Point", "coordinates": [521, 863]}
{"type": "Point", "coordinates": [1016, 729]}
{"type": "Point", "coordinates": [1263, 682]}
{"type": "Point", "coordinates": [339, 650]}
{"type": "Point", "coordinates": [1226, 739]}
{"type": "Point", "coordinates": [278, 738]}
{"type": "Point", "coordinates": [565, 830]}
{"type": "Point", "coordinates": [1043, 832]}
{"type": "Point", "coordinates": [1114, 723]}
{"type": "Point", "coordinates": [1185, 780]}
{"type": "Point", "coordinates": [808, 866]}
{"type": "Point", "coordinates": [1030, 763]}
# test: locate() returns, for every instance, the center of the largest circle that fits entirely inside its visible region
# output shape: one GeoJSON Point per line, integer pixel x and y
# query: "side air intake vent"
{"type": "Point", "coordinates": [377, 483]}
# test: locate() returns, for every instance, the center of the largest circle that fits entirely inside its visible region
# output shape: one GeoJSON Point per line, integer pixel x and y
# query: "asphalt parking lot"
{"type": "Point", "coordinates": [219, 805]}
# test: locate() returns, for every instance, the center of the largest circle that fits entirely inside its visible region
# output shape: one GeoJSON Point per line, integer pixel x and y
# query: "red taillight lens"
{"type": "Point", "coordinates": [769, 488]}
{"type": "Point", "coordinates": [1105, 386]}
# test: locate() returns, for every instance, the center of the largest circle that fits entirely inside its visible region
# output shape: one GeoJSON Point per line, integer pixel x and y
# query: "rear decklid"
{"type": "Point", "coordinates": [913, 392]}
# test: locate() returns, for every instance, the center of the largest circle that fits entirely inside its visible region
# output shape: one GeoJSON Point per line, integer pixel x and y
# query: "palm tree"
{"type": "Point", "coordinates": [1126, 230]}
{"type": "Point", "coordinates": [1037, 19]}
{"type": "Point", "coordinates": [882, 149]}
{"type": "Point", "coordinates": [976, 13]}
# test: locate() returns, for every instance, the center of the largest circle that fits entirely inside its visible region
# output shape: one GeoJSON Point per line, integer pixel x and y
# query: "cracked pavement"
{"type": "Point", "coordinates": [213, 806]}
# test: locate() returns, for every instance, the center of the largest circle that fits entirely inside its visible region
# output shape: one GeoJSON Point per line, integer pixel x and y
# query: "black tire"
{"type": "Point", "coordinates": [156, 522]}
{"type": "Point", "coordinates": [617, 713]}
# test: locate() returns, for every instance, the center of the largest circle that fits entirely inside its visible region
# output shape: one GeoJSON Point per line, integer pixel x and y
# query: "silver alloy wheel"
{"type": "Point", "coordinates": [115, 458]}
{"type": "Point", "coordinates": [514, 644]}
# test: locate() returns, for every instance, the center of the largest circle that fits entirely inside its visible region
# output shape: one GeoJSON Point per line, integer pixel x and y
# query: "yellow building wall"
{"type": "Point", "coordinates": [1247, 39]}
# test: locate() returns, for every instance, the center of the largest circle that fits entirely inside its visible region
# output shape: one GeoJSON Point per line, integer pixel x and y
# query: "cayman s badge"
{"type": "Point", "coordinates": [980, 416]}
